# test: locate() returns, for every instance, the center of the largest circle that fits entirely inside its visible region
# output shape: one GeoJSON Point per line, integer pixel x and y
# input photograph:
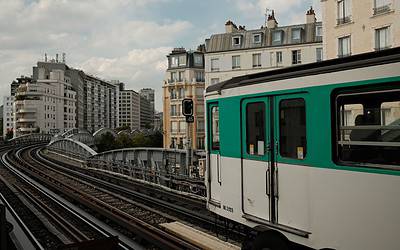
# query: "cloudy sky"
{"type": "Point", "coordinates": [127, 40]}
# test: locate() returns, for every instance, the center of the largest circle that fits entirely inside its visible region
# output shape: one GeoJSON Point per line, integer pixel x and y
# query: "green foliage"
{"type": "Point", "coordinates": [123, 140]}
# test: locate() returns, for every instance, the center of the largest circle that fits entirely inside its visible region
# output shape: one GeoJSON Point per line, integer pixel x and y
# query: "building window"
{"type": "Point", "coordinates": [200, 143]}
{"type": "Point", "coordinates": [236, 40]}
{"type": "Point", "coordinates": [382, 38]}
{"type": "Point", "coordinates": [257, 60]}
{"type": "Point", "coordinates": [181, 93]}
{"type": "Point", "coordinates": [173, 110]}
{"type": "Point", "coordinates": [235, 62]}
{"type": "Point", "coordinates": [292, 128]}
{"type": "Point", "coordinates": [174, 61]}
{"type": "Point", "coordinates": [296, 56]}
{"type": "Point", "coordinates": [214, 80]}
{"type": "Point", "coordinates": [256, 38]}
{"type": "Point", "coordinates": [198, 60]}
{"type": "Point", "coordinates": [344, 11]}
{"type": "Point", "coordinates": [278, 57]}
{"type": "Point", "coordinates": [199, 76]}
{"type": "Point", "coordinates": [344, 46]}
{"type": "Point", "coordinates": [277, 37]}
{"type": "Point", "coordinates": [173, 77]}
{"type": "Point", "coordinates": [318, 31]}
{"type": "Point", "coordinates": [180, 76]}
{"type": "Point", "coordinates": [319, 55]}
{"type": "Point", "coordinates": [174, 127]}
{"type": "Point", "coordinates": [255, 128]}
{"type": "Point", "coordinates": [215, 64]}
{"type": "Point", "coordinates": [182, 60]}
{"type": "Point", "coordinates": [182, 126]}
{"type": "Point", "coordinates": [296, 35]}
{"type": "Point", "coordinates": [200, 125]}
{"type": "Point", "coordinates": [381, 6]}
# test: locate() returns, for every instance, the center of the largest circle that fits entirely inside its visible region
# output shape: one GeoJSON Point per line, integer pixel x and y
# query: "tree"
{"type": "Point", "coordinates": [106, 142]}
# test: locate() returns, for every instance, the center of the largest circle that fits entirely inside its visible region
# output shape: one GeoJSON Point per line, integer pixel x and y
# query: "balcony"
{"type": "Point", "coordinates": [27, 129]}
{"type": "Point", "coordinates": [26, 110]}
{"type": "Point", "coordinates": [26, 120]}
{"type": "Point", "coordinates": [343, 20]}
{"type": "Point", "coordinates": [382, 9]}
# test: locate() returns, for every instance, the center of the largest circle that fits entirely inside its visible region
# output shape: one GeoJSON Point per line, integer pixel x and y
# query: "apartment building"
{"type": "Point", "coordinates": [96, 99]}
{"type": "Point", "coordinates": [239, 51]}
{"type": "Point", "coordinates": [100, 104]}
{"type": "Point", "coordinates": [354, 26]}
{"type": "Point", "coordinates": [184, 78]}
{"type": "Point", "coordinates": [148, 93]}
{"type": "Point", "coordinates": [8, 114]}
{"type": "Point", "coordinates": [129, 109]}
{"type": "Point", "coordinates": [46, 104]}
{"type": "Point", "coordinates": [146, 113]}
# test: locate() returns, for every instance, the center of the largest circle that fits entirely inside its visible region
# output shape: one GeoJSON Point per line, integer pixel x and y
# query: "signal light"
{"type": "Point", "coordinates": [187, 107]}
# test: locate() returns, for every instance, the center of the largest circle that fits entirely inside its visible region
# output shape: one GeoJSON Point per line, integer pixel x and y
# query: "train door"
{"type": "Point", "coordinates": [256, 171]}
{"type": "Point", "coordinates": [214, 156]}
{"type": "Point", "coordinates": [290, 152]}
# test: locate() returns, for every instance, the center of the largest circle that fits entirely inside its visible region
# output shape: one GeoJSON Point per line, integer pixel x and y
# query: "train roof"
{"type": "Point", "coordinates": [333, 65]}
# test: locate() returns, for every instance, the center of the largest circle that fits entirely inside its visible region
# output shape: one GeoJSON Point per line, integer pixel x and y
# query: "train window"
{"type": "Point", "coordinates": [368, 128]}
{"type": "Point", "coordinates": [215, 128]}
{"type": "Point", "coordinates": [255, 128]}
{"type": "Point", "coordinates": [292, 128]}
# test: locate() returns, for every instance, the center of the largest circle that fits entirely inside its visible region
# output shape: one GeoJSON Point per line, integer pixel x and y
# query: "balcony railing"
{"type": "Point", "coordinates": [344, 55]}
{"type": "Point", "coordinates": [343, 20]}
{"type": "Point", "coordinates": [382, 48]}
{"type": "Point", "coordinates": [382, 9]}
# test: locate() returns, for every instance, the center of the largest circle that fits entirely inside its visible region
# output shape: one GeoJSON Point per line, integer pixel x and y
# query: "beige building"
{"type": "Point", "coordinates": [46, 105]}
{"type": "Point", "coordinates": [358, 26]}
{"type": "Point", "coordinates": [184, 79]}
{"type": "Point", "coordinates": [239, 51]}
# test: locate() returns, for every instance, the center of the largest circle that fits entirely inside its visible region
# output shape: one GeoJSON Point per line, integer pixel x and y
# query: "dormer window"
{"type": "Point", "coordinates": [256, 38]}
{"type": "Point", "coordinates": [236, 40]}
{"type": "Point", "coordinates": [277, 37]}
{"type": "Point", "coordinates": [296, 35]}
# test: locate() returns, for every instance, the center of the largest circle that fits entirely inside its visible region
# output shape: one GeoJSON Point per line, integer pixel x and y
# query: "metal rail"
{"type": "Point", "coordinates": [110, 205]}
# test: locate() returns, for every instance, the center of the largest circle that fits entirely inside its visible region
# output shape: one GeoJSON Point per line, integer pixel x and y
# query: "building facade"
{"type": "Point", "coordinates": [149, 94]}
{"type": "Point", "coordinates": [46, 105]}
{"type": "Point", "coordinates": [353, 27]}
{"type": "Point", "coordinates": [129, 109]}
{"type": "Point", "coordinates": [8, 115]}
{"type": "Point", "coordinates": [239, 51]}
{"type": "Point", "coordinates": [184, 78]}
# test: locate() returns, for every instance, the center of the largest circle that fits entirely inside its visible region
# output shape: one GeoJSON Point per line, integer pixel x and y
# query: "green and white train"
{"type": "Point", "coordinates": [309, 154]}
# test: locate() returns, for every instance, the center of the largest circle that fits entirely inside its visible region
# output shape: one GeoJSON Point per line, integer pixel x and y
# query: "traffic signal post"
{"type": "Point", "coordinates": [187, 111]}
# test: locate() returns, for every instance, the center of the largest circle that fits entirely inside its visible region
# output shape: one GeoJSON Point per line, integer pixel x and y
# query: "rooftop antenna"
{"type": "Point", "coordinates": [267, 11]}
{"type": "Point", "coordinates": [45, 57]}
{"type": "Point", "coordinates": [63, 57]}
{"type": "Point", "coordinates": [57, 57]}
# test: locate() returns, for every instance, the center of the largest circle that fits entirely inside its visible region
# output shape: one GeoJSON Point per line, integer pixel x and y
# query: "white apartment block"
{"type": "Point", "coordinates": [129, 109]}
{"type": "Point", "coordinates": [8, 114]}
{"type": "Point", "coordinates": [240, 52]}
{"type": "Point", "coordinates": [359, 26]}
{"type": "Point", "coordinates": [46, 105]}
{"type": "Point", "coordinates": [184, 79]}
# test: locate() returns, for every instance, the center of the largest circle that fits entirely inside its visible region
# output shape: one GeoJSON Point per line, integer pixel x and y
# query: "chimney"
{"type": "Point", "coordinates": [230, 27]}
{"type": "Point", "coordinates": [310, 16]}
{"type": "Point", "coordinates": [271, 21]}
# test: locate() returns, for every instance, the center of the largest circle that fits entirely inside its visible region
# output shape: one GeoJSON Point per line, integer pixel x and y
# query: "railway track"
{"type": "Point", "coordinates": [51, 223]}
{"type": "Point", "coordinates": [186, 208]}
{"type": "Point", "coordinates": [129, 216]}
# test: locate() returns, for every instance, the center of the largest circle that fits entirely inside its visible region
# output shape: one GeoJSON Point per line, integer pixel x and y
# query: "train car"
{"type": "Point", "coordinates": [309, 154]}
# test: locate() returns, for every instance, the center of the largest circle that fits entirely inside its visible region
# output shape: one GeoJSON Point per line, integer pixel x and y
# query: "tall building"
{"type": "Point", "coordinates": [129, 109]}
{"type": "Point", "coordinates": [96, 99]}
{"type": "Point", "coordinates": [353, 27]}
{"type": "Point", "coordinates": [146, 113]}
{"type": "Point", "coordinates": [239, 51]}
{"type": "Point", "coordinates": [8, 115]}
{"type": "Point", "coordinates": [148, 93]}
{"type": "Point", "coordinates": [184, 78]}
{"type": "Point", "coordinates": [46, 104]}
{"type": "Point", "coordinates": [100, 104]}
